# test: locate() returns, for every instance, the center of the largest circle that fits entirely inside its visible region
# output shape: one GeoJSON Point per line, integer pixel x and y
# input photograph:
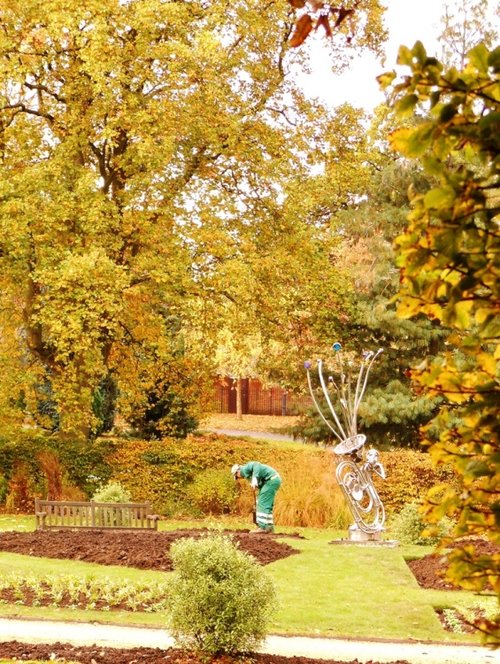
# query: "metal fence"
{"type": "Point", "coordinates": [256, 399]}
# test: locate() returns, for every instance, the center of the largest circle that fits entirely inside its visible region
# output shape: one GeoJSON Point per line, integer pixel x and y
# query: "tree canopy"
{"type": "Point", "coordinates": [151, 154]}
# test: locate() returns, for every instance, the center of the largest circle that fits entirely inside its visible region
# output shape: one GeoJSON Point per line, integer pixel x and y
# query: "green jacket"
{"type": "Point", "coordinates": [259, 471]}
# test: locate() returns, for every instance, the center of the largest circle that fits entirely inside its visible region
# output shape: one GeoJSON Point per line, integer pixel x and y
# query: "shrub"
{"type": "Point", "coordinates": [4, 487]}
{"type": "Point", "coordinates": [51, 466]}
{"type": "Point", "coordinates": [168, 411]}
{"type": "Point", "coordinates": [220, 597]}
{"type": "Point", "coordinates": [214, 491]}
{"type": "Point", "coordinates": [20, 449]}
{"type": "Point", "coordinates": [410, 528]}
{"type": "Point", "coordinates": [20, 490]}
{"type": "Point", "coordinates": [113, 492]}
{"type": "Point", "coordinates": [410, 475]}
{"type": "Point", "coordinates": [165, 473]}
{"type": "Point", "coordinates": [85, 462]}
{"type": "Point", "coordinates": [310, 494]}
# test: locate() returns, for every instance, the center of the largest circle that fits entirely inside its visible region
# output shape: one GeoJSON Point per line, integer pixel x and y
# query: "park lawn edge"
{"type": "Point", "coordinates": [317, 546]}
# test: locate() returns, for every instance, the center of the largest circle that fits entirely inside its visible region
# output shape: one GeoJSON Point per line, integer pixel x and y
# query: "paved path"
{"type": "Point", "coordinates": [44, 631]}
{"type": "Point", "coordinates": [254, 434]}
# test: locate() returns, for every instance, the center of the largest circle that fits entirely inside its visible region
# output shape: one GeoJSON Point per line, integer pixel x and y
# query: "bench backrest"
{"type": "Point", "coordinates": [79, 514]}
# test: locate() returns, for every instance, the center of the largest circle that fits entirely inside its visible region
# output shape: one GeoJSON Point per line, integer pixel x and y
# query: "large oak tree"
{"type": "Point", "coordinates": [148, 148]}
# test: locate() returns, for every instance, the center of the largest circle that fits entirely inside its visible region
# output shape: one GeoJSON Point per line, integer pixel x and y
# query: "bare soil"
{"type": "Point", "coordinates": [430, 570]}
{"type": "Point", "coordinates": [148, 550]}
{"type": "Point", "coordinates": [63, 652]}
{"type": "Point", "coordinates": [140, 549]}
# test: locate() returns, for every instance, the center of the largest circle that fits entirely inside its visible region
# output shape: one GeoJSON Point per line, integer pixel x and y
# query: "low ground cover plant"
{"type": "Point", "coordinates": [75, 592]}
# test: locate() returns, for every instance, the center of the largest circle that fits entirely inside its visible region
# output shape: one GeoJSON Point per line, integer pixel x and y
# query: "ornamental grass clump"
{"type": "Point", "coordinates": [220, 597]}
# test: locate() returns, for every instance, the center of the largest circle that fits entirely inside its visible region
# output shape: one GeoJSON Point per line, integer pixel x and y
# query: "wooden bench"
{"type": "Point", "coordinates": [57, 514]}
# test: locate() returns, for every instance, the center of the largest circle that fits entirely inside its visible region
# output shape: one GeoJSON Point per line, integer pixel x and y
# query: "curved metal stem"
{"type": "Point", "coordinates": [318, 408]}
{"type": "Point", "coordinates": [327, 397]}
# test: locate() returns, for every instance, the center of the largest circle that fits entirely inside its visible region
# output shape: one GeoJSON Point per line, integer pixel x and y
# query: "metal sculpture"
{"type": "Point", "coordinates": [354, 471]}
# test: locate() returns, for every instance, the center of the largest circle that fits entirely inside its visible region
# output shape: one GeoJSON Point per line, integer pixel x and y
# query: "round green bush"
{"type": "Point", "coordinates": [113, 492]}
{"type": "Point", "coordinates": [409, 527]}
{"type": "Point", "coordinates": [221, 598]}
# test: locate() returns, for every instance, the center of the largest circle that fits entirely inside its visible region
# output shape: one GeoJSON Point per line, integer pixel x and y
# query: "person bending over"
{"type": "Point", "coordinates": [266, 481]}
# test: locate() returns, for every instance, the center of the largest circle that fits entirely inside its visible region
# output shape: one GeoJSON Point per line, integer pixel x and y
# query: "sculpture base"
{"type": "Point", "coordinates": [359, 537]}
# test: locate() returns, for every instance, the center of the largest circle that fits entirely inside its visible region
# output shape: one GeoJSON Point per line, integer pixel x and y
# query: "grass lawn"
{"type": "Point", "coordinates": [328, 589]}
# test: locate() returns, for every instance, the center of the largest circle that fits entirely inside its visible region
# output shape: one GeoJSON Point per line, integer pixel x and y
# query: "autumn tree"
{"type": "Point", "coordinates": [141, 143]}
{"type": "Point", "coordinates": [391, 413]}
{"type": "Point", "coordinates": [359, 235]}
{"type": "Point", "coordinates": [465, 24]}
{"type": "Point", "coordinates": [449, 257]}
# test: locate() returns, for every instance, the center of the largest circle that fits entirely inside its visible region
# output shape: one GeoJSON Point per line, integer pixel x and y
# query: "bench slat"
{"type": "Point", "coordinates": [80, 514]}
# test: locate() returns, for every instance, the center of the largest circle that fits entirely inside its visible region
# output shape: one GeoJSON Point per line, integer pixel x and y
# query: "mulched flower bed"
{"type": "Point", "coordinates": [60, 652]}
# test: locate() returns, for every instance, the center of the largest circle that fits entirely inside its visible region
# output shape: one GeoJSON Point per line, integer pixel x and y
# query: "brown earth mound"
{"type": "Point", "coordinates": [144, 550]}
{"type": "Point", "coordinates": [430, 570]}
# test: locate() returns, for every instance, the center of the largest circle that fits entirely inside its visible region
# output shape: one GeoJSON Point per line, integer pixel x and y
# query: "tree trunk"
{"type": "Point", "coordinates": [239, 409]}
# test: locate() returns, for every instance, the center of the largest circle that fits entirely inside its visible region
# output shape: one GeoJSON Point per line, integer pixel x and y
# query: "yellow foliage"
{"type": "Point", "coordinates": [162, 471]}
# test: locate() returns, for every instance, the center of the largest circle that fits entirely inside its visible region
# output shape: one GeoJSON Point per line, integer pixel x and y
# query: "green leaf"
{"type": "Point", "coordinates": [478, 57]}
{"type": "Point", "coordinates": [419, 52]}
{"type": "Point", "coordinates": [477, 468]}
{"type": "Point", "coordinates": [432, 165]}
{"type": "Point", "coordinates": [439, 198]}
{"type": "Point", "coordinates": [408, 142]}
{"type": "Point", "coordinates": [494, 60]}
{"type": "Point", "coordinates": [405, 56]}
{"type": "Point", "coordinates": [385, 80]}
{"type": "Point", "coordinates": [448, 111]}
{"type": "Point", "coordinates": [435, 97]}
{"type": "Point", "coordinates": [404, 107]}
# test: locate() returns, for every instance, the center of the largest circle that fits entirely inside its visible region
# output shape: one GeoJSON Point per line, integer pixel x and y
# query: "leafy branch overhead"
{"type": "Point", "coordinates": [449, 258]}
{"type": "Point", "coordinates": [317, 15]}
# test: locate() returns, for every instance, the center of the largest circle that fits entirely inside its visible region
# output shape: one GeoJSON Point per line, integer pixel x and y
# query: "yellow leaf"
{"type": "Point", "coordinates": [462, 314]}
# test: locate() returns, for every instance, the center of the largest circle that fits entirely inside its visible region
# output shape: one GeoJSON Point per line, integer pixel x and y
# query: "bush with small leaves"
{"type": "Point", "coordinates": [221, 598]}
{"type": "Point", "coordinates": [409, 527]}
{"type": "Point", "coordinates": [214, 491]}
{"type": "Point", "coordinates": [113, 492]}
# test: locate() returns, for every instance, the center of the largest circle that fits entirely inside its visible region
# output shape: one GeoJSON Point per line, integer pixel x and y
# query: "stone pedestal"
{"type": "Point", "coordinates": [357, 535]}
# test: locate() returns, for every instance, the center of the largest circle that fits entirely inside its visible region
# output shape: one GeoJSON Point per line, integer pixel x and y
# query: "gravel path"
{"type": "Point", "coordinates": [44, 631]}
